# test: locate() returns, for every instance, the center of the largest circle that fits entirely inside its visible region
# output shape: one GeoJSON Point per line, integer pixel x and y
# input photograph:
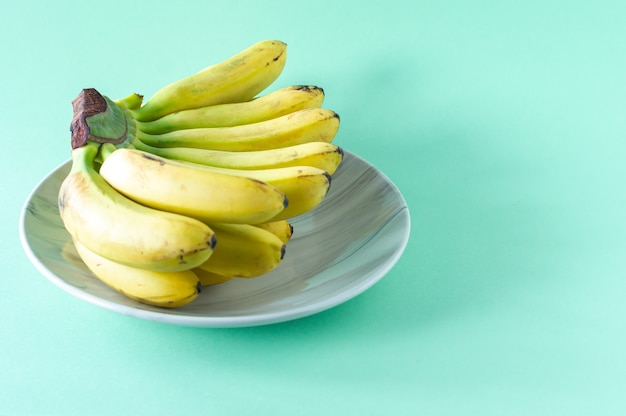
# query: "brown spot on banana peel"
{"type": "Point", "coordinates": [211, 242]}
{"type": "Point", "coordinates": [276, 58]}
{"type": "Point", "coordinates": [309, 88]}
{"type": "Point", "coordinates": [153, 158]}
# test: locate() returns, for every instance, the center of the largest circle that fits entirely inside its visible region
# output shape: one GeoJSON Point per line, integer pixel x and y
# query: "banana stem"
{"type": "Point", "coordinates": [98, 119]}
{"type": "Point", "coordinates": [138, 144]}
{"type": "Point", "coordinates": [106, 149]}
{"type": "Point", "coordinates": [83, 157]}
{"type": "Point", "coordinates": [132, 102]}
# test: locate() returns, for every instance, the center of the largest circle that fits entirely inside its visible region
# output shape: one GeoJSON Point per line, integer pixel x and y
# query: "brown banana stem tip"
{"type": "Point", "coordinates": [88, 103]}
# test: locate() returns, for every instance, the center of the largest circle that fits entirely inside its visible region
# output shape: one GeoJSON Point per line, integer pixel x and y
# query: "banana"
{"type": "Point", "coordinates": [212, 194]}
{"type": "Point", "coordinates": [304, 186]}
{"type": "Point", "coordinates": [131, 102]}
{"type": "Point", "coordinates": [239, 78]}
{"type": "Point", "coordinates": [281, 229]}
{"type": "Point", "coordinates": [272, 105]}
{"type": "Point", "coordinates": [193, 190]}
{"type": "Point", "coordinates": [119, 229]}
{"type": "Point", "coordinates": [163, 289]}
{"type": "Point", "coordinates": [196, 186]}
{"type": "Point", "coordinates": [210, 279]}
{"type": "Point", "coordinates": [322, 155]}
{"type": "Point", "coordinates": [244, 250]}
{"type": "Point", "coordinates": [114, 227]}
{"type": "Point", "coordinates": [302, 126]}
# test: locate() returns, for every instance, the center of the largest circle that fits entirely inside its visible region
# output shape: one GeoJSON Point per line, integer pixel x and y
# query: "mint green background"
{"type": "Point", "coordinates": [503, 123]}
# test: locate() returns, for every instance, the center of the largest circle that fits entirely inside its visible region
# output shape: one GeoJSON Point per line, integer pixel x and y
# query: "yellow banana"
{"type": "Point", "coordinates": [239, 78]}
{"type": "Point", "coordinates": [244, 250]}
{"type": "Point", "coordinates": [208, 193]}
{"type": "Point", "coordinates": [209, 278]}
{"type": "Point", "coordinates": [272, 105]}
{"type": "Point", "coordinates": [322, 155]}
{"type": "Point", "coordinates": [281, 229]}
{"type": "Point", "coordinates": [163, 289]}
{"type": "Point", "coordinates": [302, 126]}
{"type": "Point", "coordinates": [193, 190]}
{"type": "Point", "coordinates": [304, 186]}
{"type": "Point", "coordinates": [119, 229]}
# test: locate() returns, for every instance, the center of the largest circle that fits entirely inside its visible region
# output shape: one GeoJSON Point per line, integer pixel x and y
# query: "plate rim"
{"type": "Point", "coordinates": [223, 321]}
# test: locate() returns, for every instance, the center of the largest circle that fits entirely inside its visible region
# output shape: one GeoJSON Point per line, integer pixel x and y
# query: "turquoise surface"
{"type": "Point", "coordinates": [502, 123]}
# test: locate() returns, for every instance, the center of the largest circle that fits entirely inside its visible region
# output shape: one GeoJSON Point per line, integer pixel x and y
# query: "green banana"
{"type": "Point", "coordinates": [192, 190]}
{"type": "Point", "coordinates": [272, 105]}
{"type": "Point", "coordinates": [302, 126]}
{"type": "Point", "coordinates": [322, 155]}
{"type": "Point", "coordinates": [131, 102]}
{"type": "Point", "coordinates": [163, 289]}
{"type": "Point", "coordinates": [244, 251]}
{"type": "Point", "coordinates": [114, 227]}
{"type": "Point", "coordinates": [239, 78]}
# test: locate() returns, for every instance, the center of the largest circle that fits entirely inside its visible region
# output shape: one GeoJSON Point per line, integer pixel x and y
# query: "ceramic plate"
{"type": "Point", "coordinates": [338, 250]}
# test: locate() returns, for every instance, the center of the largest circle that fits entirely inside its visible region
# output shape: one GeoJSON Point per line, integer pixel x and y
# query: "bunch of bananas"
{"type": "Point", "coordinates": [198, 185]}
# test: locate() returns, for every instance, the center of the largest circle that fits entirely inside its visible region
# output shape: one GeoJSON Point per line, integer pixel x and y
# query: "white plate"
{"type": "Point", "coordinates": [338, 250]}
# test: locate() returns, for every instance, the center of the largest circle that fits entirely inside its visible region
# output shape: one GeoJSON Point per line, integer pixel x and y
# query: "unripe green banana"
{"type": "Point", "coordinates": [322, 155]}
{"type": "Point", "coordinates": [302, 126]}
{"type": "Point", "coordinates": [272, 105]}
{"type": "Point", "coordinates": [163, 289]}
{"type": "Point", "coordinates": [119, 229]}
{"type": "Point", "coordinates": [190, 189]}
{"type": "Point", "coordinates": [244, 250]}
{"type": "Point", "coordinates": [239, 78]}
